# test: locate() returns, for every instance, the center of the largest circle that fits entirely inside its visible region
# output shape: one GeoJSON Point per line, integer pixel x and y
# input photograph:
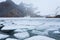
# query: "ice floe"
{"type": "Point", "coordinates": [2, 36]}
{"type": "Point", "coordinates": [39, 38]}
{"type": "Point", "coordinates": [11, 39]}
{"type": "Point", "coordinates": [20, 30]}
{"type": "Point", "coordinates": [22, 35]}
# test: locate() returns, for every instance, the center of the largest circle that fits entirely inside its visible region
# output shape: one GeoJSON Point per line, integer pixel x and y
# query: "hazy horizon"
{"type": "Point", "coordinates": [46, 7]}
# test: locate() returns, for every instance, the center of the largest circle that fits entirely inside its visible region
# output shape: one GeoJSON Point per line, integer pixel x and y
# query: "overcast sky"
{"type": "Point", "coordinates": [44, 6]}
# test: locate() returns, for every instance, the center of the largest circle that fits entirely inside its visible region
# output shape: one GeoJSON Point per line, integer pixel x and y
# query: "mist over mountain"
{"type": "Point", "coordinates": [9, 9]}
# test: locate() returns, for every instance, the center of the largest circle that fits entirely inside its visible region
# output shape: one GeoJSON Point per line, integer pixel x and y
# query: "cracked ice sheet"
{"type": "Point", "coordinates": [11, 27]}
{"type": "Point", "coordinates": [28, 25]}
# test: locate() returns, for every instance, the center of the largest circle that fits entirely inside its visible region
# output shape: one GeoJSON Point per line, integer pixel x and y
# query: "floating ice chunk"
{"type": "Point", "coordinates": [37, 32]}
{"type": "Point", "coordinates": [42, 27]}
{"type": "Point", "coordinates": [39, 38]}
{"type": "Point", "coordinates": [11, 27]}
{"type": "Point", "coordinates": [21, 35]}
{"type": "Point", "coordinates": [56, 32]}
{"type": "Point", "coordinates": [46, 32]}
{"type": "Point", "coordinates": [20, 30]}
{"type": "Point", "coordinates": [2, 36]}
{"type": "Point", "coordinates": [52, 29]}
{"type": "Point", "coordinates": [11, 39]}
{"type": "Point", "coordinates": [53, 23]}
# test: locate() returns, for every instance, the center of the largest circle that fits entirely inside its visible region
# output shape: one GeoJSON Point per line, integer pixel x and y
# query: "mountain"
{"type": "Point", "coordinates": [9, 9]}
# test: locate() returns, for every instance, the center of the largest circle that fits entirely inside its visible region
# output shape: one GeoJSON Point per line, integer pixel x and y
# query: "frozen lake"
{"type": "Point", "coordinates": [30, 27]}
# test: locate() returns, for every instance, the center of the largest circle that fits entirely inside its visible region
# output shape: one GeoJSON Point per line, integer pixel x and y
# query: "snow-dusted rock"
{"type": "Point", "coordinates": [11, 39]}
{"type": "Point", "coordinates": [2, 36]}
{"type": "Point", "coordinates": [39, 38]}
{"type": "Point", "coordinates": [22, 35]}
